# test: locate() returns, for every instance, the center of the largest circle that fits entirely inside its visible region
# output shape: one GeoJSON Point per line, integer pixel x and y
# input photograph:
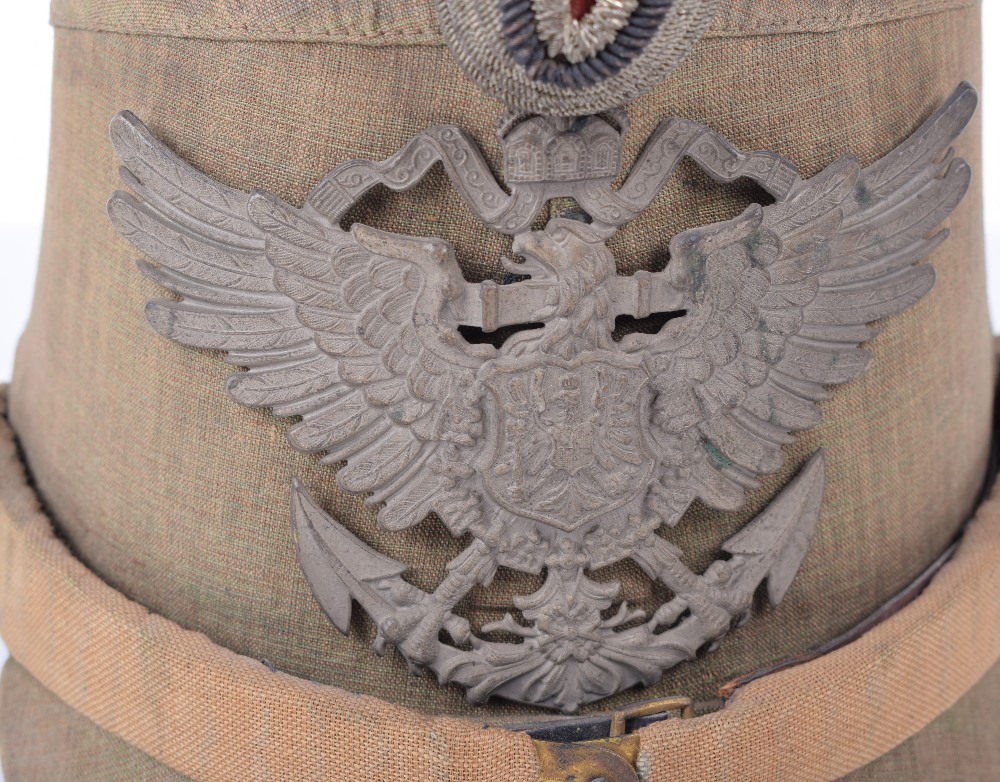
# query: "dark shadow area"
{"type": "Point", "coordinates": [651, 324]}
{"type": "Point", "coordinates": [476, 336]}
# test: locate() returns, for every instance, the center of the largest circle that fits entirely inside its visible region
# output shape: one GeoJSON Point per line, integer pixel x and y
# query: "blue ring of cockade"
{"type": "Point", "coordinates": [527, 49]}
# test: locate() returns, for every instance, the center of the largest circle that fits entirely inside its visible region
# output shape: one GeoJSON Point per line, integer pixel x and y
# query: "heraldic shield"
{"type": "Point", "coordinates": [571, 444]}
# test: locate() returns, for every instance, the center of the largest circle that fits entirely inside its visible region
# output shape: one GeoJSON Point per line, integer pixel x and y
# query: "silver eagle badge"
{"type": "Point", "coordinates": [563, 450]}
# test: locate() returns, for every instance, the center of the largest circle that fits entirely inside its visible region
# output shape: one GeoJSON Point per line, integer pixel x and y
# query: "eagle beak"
{"type": "Point", "coordinates": [529, 247]}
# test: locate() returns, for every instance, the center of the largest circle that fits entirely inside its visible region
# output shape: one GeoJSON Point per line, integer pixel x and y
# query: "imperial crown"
{"type": "Point", "coordinates": [547, 149]}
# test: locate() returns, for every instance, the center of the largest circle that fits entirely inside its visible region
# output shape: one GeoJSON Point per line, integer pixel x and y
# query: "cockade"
{"type": "Point", "coordinates": [563, 450]}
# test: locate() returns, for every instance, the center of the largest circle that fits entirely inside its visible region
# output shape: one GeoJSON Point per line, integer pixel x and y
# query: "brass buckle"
{"type": "Point", "coordinates": [661, 706]}
{"type": "Point", "coordinates": [612, 759]}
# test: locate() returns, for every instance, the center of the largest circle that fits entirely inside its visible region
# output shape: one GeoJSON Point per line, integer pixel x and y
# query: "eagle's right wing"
{"type": "Point", "coordinates": [339, 327]}
{"type": "Point", "coordinates": [778, 303]}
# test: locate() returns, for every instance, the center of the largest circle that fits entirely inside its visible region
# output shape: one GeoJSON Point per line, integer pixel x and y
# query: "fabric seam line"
{"type": "Point", "coordinates": [432, 36]}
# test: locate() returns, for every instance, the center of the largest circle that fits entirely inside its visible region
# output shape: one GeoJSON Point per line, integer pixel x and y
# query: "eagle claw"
{"type": "Point", "coordinates": [415, 631]}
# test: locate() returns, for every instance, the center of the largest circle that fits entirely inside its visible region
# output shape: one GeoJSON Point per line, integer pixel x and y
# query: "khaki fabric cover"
{"type": "Point", "coordinates": [200, 709]}
{"type": "Point", "coordinates": [53, 741]}
{"type": "Point", "coordinates": [959, 746]}
{"type": "Point", "coordinates": [177, 496]}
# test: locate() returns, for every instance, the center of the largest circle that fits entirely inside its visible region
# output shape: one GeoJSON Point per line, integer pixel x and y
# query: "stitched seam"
{"type": "Point", "coordinates": [401, 37]}
{"type": "Point", "coordinates": [350, 33]}
{"type": "Point", "coordinates": [808, 24]}
{"type": "Point", "coordinates": [430, 35]}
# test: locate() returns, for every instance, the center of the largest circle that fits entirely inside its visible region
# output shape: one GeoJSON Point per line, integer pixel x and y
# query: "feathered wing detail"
{"type": "Point", "coordinates": [780, 298]}
{"type": "Point", "coordinates": [338, 327]}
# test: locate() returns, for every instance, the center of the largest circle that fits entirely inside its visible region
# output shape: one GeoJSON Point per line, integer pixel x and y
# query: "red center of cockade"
{"type": "Point", "coordinates": [580, 8]}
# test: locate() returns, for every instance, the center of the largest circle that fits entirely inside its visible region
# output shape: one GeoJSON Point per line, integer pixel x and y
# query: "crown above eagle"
{"type": "Point", "coordinates": [555, 149]}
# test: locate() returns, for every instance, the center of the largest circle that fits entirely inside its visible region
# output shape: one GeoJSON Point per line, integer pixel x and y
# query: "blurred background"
{"type": "Point", "coordinates": [25, 62]}
{"type": "Point", "coordinates": [25, 65]}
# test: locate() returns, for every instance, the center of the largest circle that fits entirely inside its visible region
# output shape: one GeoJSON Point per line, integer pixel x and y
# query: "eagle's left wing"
{"type": "Point", "coordinates": [778, 301]}
{"type": "Point", "coordinates": [344, 328]}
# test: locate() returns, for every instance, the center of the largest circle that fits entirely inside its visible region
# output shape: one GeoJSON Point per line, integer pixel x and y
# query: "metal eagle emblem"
{"type": "Point", "coordinates": [563, 450]}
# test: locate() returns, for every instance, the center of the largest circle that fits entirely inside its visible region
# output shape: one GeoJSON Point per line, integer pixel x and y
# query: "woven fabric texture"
{"type": "Point", "coordinates": [216, 716]}
{"type": "Point", "coordinates": [44, 740]}
{"type": "Point", "coordinates": [962, 745]}
{"type": "Point", "coordinates": [178, 497]}
{"type": "Point", "coordinates": [384, 23]}
{"type": "Point", "coordinates": [195, 706]}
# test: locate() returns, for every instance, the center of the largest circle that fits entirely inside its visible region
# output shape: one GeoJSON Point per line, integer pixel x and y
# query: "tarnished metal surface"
{"type": "Point", "coordinates": [619, 719]}
{"type": "Point", "coordinates": [562, 451]}
{"type": "Point", "coordinates": [610, 760]}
